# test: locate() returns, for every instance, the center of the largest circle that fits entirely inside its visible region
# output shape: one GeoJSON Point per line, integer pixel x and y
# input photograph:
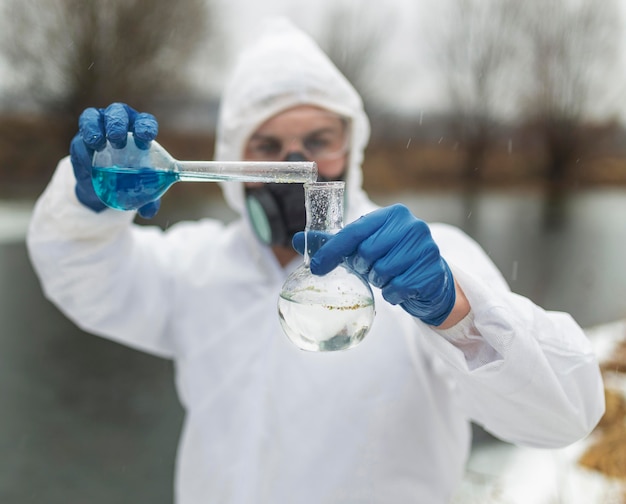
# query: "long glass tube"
{"type": "Point", "coordinates": [247, 171]}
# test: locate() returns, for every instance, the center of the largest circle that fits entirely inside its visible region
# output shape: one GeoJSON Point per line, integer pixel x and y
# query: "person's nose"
{"type": "Point", "coordinates": [295, 144]}
{"type": "Point", "coordinates": [295, 156]}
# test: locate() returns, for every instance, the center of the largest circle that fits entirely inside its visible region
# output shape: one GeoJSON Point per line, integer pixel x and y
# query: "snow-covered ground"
{"type": "Point", "coordinates": [501, 474]}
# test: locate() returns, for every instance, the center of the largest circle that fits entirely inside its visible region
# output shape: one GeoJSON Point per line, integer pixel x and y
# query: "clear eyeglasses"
{"type": "Point", "coordinates": [321, 145]}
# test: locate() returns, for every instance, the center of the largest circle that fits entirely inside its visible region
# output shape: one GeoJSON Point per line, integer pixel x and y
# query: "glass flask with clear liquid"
{"type": "Point", "coordinates": [132, 176]}
{"type": "Point", "coordinates": [330, 312]}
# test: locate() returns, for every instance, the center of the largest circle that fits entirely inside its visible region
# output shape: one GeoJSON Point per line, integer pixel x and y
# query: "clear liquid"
{"type": "Point", "coordinates": [130, 188]}
{"type": "Point", "coordinates": [326, 326]}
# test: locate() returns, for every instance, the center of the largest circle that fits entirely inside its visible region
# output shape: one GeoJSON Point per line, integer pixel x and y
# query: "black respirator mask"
{"type": "Point", "coordinates": [277, 211]}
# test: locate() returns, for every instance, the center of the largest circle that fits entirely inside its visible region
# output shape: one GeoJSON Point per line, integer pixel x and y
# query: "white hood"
{"type": "Point", "coordinates": [281, 69]}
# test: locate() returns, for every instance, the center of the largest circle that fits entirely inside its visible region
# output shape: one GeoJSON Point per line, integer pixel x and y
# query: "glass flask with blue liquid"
{"type": "Point", "coordinates": [129, 177]}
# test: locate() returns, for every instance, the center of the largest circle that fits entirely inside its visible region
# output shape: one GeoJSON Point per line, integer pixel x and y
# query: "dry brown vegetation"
{"type": "Point", "coordinates": [30, 148]}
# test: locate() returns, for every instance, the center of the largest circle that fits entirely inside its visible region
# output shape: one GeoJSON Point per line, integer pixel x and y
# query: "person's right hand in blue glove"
{"type": "Point", "coordinates": [95, 127]}
{"type": "Point", "coordinates": [395, 252]}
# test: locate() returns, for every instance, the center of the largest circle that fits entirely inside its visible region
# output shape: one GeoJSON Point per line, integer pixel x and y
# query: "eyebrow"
{"type": "Point", "coordinates": [265, 136]}
{"type": "Point", "coordinates": [261, 136]}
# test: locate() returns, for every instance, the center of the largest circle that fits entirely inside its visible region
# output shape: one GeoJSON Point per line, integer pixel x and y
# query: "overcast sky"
{"type": "Point", "coordinates": [405, 42]}
{"type": "Point", "coordinates": [408, 72]}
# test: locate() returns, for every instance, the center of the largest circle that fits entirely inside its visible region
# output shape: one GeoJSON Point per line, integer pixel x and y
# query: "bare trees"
{"type": "Point", "coordinates": [545, 62]}
{"type": "Point", "coordinates": [569, 72]}
{"type": "Point", "coordinates": [75, 53]}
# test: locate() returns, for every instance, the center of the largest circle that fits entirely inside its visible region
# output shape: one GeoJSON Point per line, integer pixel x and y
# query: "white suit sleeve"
{"type": "Point", "coordinates": [527, 375]}
{"type": "Point", "coordinates": [103, 272]}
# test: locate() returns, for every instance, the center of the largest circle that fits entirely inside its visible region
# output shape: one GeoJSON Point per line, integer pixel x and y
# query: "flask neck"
{"type": "Point", "coordinates": [324, 214]}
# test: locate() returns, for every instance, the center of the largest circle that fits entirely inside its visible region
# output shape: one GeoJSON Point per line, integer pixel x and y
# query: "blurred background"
{"type": "Point", "coordinates": [502, 117]}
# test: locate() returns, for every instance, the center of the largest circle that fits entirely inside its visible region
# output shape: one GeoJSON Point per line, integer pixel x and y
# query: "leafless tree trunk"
{"type": "Point", "coordinates": [76, 53]}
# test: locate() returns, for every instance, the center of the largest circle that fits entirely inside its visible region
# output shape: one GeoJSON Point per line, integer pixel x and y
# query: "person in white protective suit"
{"type": "Point", "coordinates": [385, 422]}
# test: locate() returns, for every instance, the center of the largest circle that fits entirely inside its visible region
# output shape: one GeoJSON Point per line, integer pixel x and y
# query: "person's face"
{"type": "Point", "coordinates": [317, 134]}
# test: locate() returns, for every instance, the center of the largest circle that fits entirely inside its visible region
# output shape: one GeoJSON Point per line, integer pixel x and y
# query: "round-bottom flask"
{"type": "Point", "coordinates": [330, 312]}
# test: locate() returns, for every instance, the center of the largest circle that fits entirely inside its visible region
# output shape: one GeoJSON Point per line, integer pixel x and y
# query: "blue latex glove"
{"type": "Point", "coordinates": [395, 252]}
{"type": "Point", "coordinates": [95, 126]}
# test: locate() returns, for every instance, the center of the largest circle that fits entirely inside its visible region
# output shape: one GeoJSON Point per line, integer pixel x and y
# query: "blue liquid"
{"type": "Point", "coordinates": [130, 188]}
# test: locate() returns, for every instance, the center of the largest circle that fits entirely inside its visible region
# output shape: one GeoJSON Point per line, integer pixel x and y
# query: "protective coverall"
{"type": "Point", "coordinates": [385, 422]}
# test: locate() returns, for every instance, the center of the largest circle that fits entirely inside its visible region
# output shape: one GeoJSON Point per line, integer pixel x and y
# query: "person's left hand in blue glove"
{"type": "Point", "coordinates": [395, 252]}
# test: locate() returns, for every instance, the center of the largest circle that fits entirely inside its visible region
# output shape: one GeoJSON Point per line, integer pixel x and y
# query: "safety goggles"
{"type": "Point", "coordinates": [319, 145]}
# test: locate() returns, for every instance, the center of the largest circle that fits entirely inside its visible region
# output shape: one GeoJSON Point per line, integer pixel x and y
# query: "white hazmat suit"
{"type": "Point", "coordinates": [385, 422]}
